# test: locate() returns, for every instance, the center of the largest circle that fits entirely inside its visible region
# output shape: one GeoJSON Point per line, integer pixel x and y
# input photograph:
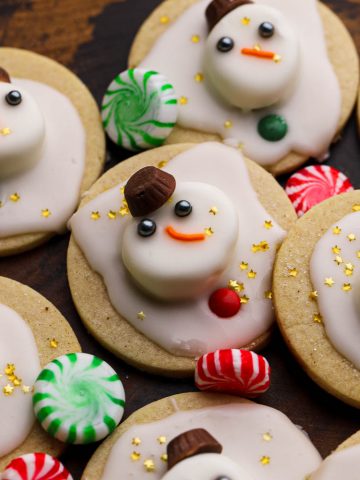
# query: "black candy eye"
{"type": "Point", "coordinates": [266, 29]}
{"type": "Point", "coordinates": [225, 44]}
{"type": "Point", "coordinates": [183, 208]}
{"type": "Point", "coordinates": [146, 227]}
{"type": "Point", "coordinates": [13, 98]}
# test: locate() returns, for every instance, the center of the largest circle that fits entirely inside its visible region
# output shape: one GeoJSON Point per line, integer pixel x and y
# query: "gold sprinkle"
{"type": "Point", "coordinates": [95, 215]}
{"type": "Point", "coordinates": [263, 246]}
{"type": "Point", "coordinates": [245, 20]}
{"type": "Point", "coordinates": [199, 77]}
{"type": "Point", "coordinates": [161, 439]}
{"type": "Point", "coordinates": [236, 286]}
{"type": "Point", "coordinates": [336, 230]}
{"type": "Point", "coordinates": [251, 274]}
{"type": "Point", "coordinates": [351, 237]}
{"type": "Point", "coordinates": [347, 287]}
{"type": "Point", "coordinates": [358, 254]}
{"type": "Point", "coordinates": [162, 164]}
{"type": "Point", "coordinates": [45, 213]}
{"type": "Point", "coordinates": [244, 299]}
{"type": "Point", "coordinates": [209, 231]}
{"type": "Point", "coordinates": [277, 58]}
{"type": "Point", "coordinates": [54, 343]}
{"type": "Point", "coordinates": [317, 318]}
{"type": "Point", "coordinates": [8, 390]}
{"type": "Point", "coordinates": [292, 272]}
{"type": "Point", "coordinates": [356, 207]}
{"type": "Point", "coordinates": [111, 215]}
{"type": "Point", "coordinates": [14, 197]}
{"type": "Point", "coordinates": [195, 38]}
{"type": "Point", "coordinates": [183, 100]}
{"type": "Point", "coordinates": [267, 437]}
{"type": "Point", "coordinates": [124, 210]}
{"type": "Point", "coordinates": [268, 224]}
{"type": "Point", "coordinates": [5, 131]}
{"type": "Point", "coordinates": [149, 465]}
{"type": "Point", "coordinates": [265, 460]}
{"type": "Point", "coordinates": [135, 456]}
{"type": "Point", "coordinates": [349, 269]}
{"type": "Point", "coordinates": [141, 315]}
{"type": "Point", "coordinates": [228, 124]}
{"type": "Point", "coordinates": [26, 389]}
{"type": "Point", "coordinates": [257, 47]}
{"type": "Point", "coordinates": [164, 19]}
{"type": "Point", "coordinates": [329, 282]}
{"type": "Point", "coordinates": [336, 250]}
{"type": "Point", "coordinates": [17, 382]}
{"type": "Point", "coordinates": [10, 369]}
{"type": "Point", "coordinates": [313, 295]}
{"type": "Point", "coordinates": [136, 441]}
{"type": "Point", "coordinates": [268, 294]}
{"type": "Point", "coordinates": [214, 211]}
{"type": "Point", "coordinates": [164, 457]}
{"type": "Point", "coordinates": [338, 260]}
{"type": "Point", "coordinates": [244, 266]}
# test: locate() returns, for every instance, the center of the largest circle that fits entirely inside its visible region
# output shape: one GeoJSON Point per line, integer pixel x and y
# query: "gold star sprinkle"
{"type": "Point", "coordinates": [136, 441]}
{"type": "Point", "coordinates": [347, 287]}
{"type": "Point", "coordinates": [195, 38]}
{"type": "Point", "coordinates": [111, 215]}
{"type": "Point", "coordinates": [17, 382]}
{"type": "Point", "coordinates": [267, 437]}
{"type": "Point", "coordinates": [358, 254]}
{"type": "Point", "coordinates": [209, 231]}
{"type": "Point", "coordinates": [45, 213]}
{"type": "Point", "coordinates": [141, 315]}
{"type": "Point", "coordinates": [199, 77]}
{"type": "Point", "coordinates": [245, 20]}
{"type": "Point", "coordinates": [251, 274]}
{"type": "Point", "coordinates": [10, 369]}
{"type": "Point", "coordinates": [265, 460]}
{"type": "Point", "coordinates": [244, 299]}
{"type": "Point", "coordinates": [161, 439]}
{"type": "Point", "coordinates": [183, 100]}
{"type": "Point", "coordinates": [54, 343]}
{"type": "Point", "coordinates": [124, 209]}
{"type": "Point", "coordinates": [236, 286]}
{"type": "Point", "coordinates": [336, 250]}
{"type": "Point", "coordinates": [317, 318]}
{"type": "Point", "coordinates": [164, 19]}
{"type": "Point", "coordinates": [338, 260]}
{"type": "Point", "coordinates": [268, 294]}
{"type": "Point", "coordinates": [268, 224]}
{"type": "Point", "coordinates": [95, 215]}
{"type": "Point", "coordinates": [244, 266]}
{"type": "Point", "coordinates": [349, 269]}
{"type": "Point", "coordinates": [263, 246]}
{"type": "Point", "coordinates": [135, 456]}
{"type": "Point", "coordinates": [277, 58]}
{"type": "Point", "coordinates": [14, 197]}
{"type": "Point", "coordinates": [351, 237]}
{"type": "Point", "coordinates": [214, 211]}
{"type": "Point", "coordinates": [122, 190]}
{"type": "Point", "coordinates": [8, 390]}
{"type": "Point", "coordinates": [164, 457]}
{"type": "Point", "coordinates": [5, 131]}
{"type": "Point", "coordinates": [228, 124]}
{"type": "Point", "coordinates": [26, 389]}
{"type": "Point", "coordinates": [336, 230]}
{"type": "Point", "coordinates": [313, 295]}
{"type": "Point", "coordinates": [149, 465]}
{"type": "Point", "coordinates": [329, 282]}
{"type": "Point", "coordinates": [292, 272]}
{"type": "Point", "coordinates": [162, 164]}
{"type": "Point", "coordinates": [356, 208]}
{"type": "Point", "coordinates": [257, 47]}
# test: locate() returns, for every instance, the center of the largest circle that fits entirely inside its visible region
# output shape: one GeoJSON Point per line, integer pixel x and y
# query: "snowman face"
{"type": "Point", "coordinates": [180, 250]}
{"type": "Point", "coordinates": [22, 130]}
{"type": "Point", "coordinates": [209, 466]}
{"type": "Point", "coordinates": [252, 57]}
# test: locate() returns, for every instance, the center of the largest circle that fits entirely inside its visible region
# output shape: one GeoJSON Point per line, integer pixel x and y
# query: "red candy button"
{"type": "Point", "coordinates": [225, 303]}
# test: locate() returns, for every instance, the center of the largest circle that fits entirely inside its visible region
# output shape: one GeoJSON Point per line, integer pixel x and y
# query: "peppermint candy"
{"type": "Point", "coordinates": [78, 398]}
{"type": "Point", "coordinates": [35, 466]}
{"type": "Point", "coordinates": [139, 109]}
{"type": "Point", "coordinates": [312, 185]}
{"type": "Point", "coordinates": [238, 372]}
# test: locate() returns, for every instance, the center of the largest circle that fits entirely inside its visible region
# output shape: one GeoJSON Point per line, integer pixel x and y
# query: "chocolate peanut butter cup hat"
{"type": "Point", "coordinates": [219, 8]}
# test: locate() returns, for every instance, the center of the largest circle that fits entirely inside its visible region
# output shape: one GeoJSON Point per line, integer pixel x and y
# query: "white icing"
{"type": "Point", "coordinates": [311, 127]}
{"type": "Point", "coordinates": [190, 328]}
{"type": "Point", "coordinates": [18, 347]}
{"type": "Point", "coordinates": [342, 464]}
{"type": "Point", "coordinates": [250, 82]}
{"type": "Point", "coordinates": [53, 184]}
{"type": "Point", "coordinates": [339, 309]}
{"type": "Point", "coordinates": [239, 428]}
{"type": "Point", "coordinates": [22, 131]}
{"type": "Point", "coordinates": [171, 269]}
{"type": "Point", "coordinates": [208, 466]}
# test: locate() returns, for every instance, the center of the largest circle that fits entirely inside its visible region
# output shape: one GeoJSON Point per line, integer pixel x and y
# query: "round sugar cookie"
{"type": "Point", "coordinates": [341, 50]}
{"type": "Point", "coordinates": [28, 65]}
{"type": "Point", "coordinates": [90, 294]}
{"type": "Point", "coordinates": [145, 445]}
{"type": "Point", "coordinates": [297, 311]}
{"type": "Point", "coordinates": [53, 336]}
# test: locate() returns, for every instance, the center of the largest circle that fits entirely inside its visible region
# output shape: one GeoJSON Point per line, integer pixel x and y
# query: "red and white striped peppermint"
{"type": "Point", "coordinates": [238, 372]}
{"type": "Point", "coordinates": [314, 184]}
{"type": "Point", "coordinates": [35, 466]}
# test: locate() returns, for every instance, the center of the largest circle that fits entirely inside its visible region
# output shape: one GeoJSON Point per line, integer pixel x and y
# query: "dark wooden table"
{"type": "Point", "coordinates": [93, 38]}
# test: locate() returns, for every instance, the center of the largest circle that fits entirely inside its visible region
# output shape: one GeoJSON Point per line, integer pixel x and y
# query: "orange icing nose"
{"type": "Point", "coordinates": [184, 237]}
{"type": "Point", "coordinates": [258, 53]}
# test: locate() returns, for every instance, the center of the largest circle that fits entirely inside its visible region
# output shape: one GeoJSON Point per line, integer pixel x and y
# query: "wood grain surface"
{"type": "Point", "coordinates": [93, 38]}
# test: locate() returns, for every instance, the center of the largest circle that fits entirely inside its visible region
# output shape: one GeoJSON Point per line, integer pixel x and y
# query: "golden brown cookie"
{"type": "Point", "coordinates": [89, 291]}
{"type": "Point", "coordinates": [297, 313]}
{"type": "Point", "coordinates": [29, 65]}
{"type": "Point", "coordinates": [341, 49]}
{"type": "Point", "coordinates": [46, 323]}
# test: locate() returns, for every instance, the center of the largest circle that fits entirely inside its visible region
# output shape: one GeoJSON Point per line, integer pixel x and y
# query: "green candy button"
{"type": "Point", "coordinates": [273, 128]}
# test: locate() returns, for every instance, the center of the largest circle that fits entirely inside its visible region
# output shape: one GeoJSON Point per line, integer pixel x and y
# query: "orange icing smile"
{"type": "Point", "coordinates": [184, 237]}
{"type": "Point", "coordinates": [258, 53]}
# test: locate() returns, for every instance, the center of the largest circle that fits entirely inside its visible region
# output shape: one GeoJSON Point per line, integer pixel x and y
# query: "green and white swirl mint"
{"type": "Point", "coordinates": [78, 398]}
{"type": "Point", "coordinates": [139, 109]}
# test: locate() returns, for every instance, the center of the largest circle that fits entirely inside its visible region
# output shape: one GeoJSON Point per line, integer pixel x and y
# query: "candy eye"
{"type": "Point", "coordinates": [183, 208]}
{"type": "Point", "coordinates": [13, 98]}
{"type": "Point", "coordinates": [146, 227]}
{"type": "Point", "coordinates": [266, 30]}
{"type": "Point", "coordinates": [225, 44]}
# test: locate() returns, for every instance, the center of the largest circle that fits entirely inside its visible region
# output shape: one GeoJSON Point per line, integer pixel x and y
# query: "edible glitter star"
{"type": "Point", "coordinates": [149, 465]}
{"type": "Point", "coordinates": [45, 213]}
{"type": "Point", "coordinates": [358, 254]}
{"type": "Point", "coordinates": [317, 318]}
{"type": "Point", "coordinates": [162, 164]}
{"type": "Point", "coordinates": [351, 237]}
{"type": "Point", "coordinates": [124, 209]}
{"type": "Point", "coordinates": [183, 100]}
{"type": "Point", "coordinates": [141, 315]}
{"type": "Point", "coordinates": [214, 211]}
{"type": "Point", "coordinates": [277, 58]}
{"type": "Point", "coordinates": [54, 343]}
{"type": "Point", "coordinates": [257, 47]}
{"type": "Point", "coordinates": [17, 381]}
{"type": "Point", "coordinates": [228, 124]}
{"type": "Point", "coordinates": [244, 266]}
{"type": "Point", "coordinates": [14, 197]}
{"type": "Point", "coordinates": [245, 20]}
{"type": "Point", "coordinates": [313, 295]}
{"type": "Point", "coordinates": [136, 441]}
{"type": "Point", "coordinates": [5, 131]}
{"type": "Point", "coordinates": [338, 260]}
{"type": "Point", "coordinates": [356, 207]}
{"type": "Point", "coordinates": [268, 294]}
{"type": "Point", "coordinates": [195, 38]}
{"type": "Point", "coordinates": [135, 456]}
{"type": "Point", "coordinates": [26, 389]}
{"type": "Point", "coordinates": [8, 390]}
{"type": "Point", "coordinates": [347, 287]}
{"type": "Point", "coordinates": [251, 274]}
{"type": "Point", "coordinates": [349, 269]}
{"type": "Point", "coordinates": [336, 250]}
{"type": "Point", "coordinates": [268, 224]}
{"type": "Point", "coordinates": [10, 369]}
{"type": "Point", "coordinates": [265, 460]}
{"type": "Point", "coordinates": [292, 272]}
{"type": "Point", "coordinates": [199, 77]}
{"type": "Point", "coordinates": [244, 299]}
{"type": "Point", "coordinates": [263, 246]}
{"type": "Point", "coordinates": [329, 282]}
{"type": "Point", "coordinates": [336, 230]}
{"type": "Point", "coordinates": [111, 215]}
{"type": "Point", "coordinates": [236, 286]}
{"type": "Point", "coordinates": [164, 19]}
{"type": "Point", "coordinates": [267, 437]}
{"type": "Point", "coordinates": [209, 231]}
{"type": "Point", "coordinates": [95, 215]}
{"type": "Point", "coordinates": [164, 457]}
{"type": "Point", "coordinates": [161, 439]}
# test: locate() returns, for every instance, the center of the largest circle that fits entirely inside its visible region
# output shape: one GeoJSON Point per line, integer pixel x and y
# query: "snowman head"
{"type": "Point", "coordinates": [197, 455]}
{"type": "Point", "coordinates": [251, 53]}
{"type": "Point", "coordinates": [22, 128]}
{"type": "Point", "coordinates": [181, 237]}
